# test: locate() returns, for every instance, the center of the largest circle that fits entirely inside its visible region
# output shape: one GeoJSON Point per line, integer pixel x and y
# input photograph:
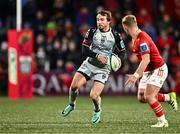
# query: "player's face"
{"type": "Point", "coordinates": [126, 29]}
{"type": "Point", "coordinates": [102, 22]}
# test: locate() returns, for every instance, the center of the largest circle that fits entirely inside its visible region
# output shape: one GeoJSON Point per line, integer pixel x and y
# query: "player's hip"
{"type": "Point", "coordinates": [155, 77]}
{"type": "Point", "coordinates": [93, 72]}
{"type": "Point", "coordinates": [92, 68]}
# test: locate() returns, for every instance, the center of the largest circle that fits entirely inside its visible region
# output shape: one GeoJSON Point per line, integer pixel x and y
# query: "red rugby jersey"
{"type": "Point", "coordinates": [143, 44]}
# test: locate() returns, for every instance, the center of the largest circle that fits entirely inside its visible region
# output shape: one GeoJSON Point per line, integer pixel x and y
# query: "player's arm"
{"type": "Point", "coordinates": [87, 52]}
{"type": "Point", "coordinates": [143, 65]}
{"type": "Point", "coordinates": [138, 73]}
{"type": "Point", "coordinates": [145, 56]}
{"type": "Point", "coordinates": [86, 45]}
{"type": "Point", "coordinates": [120, 47]}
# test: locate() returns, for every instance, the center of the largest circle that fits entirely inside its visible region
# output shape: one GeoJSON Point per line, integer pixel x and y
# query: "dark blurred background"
{"type": "Point", "coordinates": [59, 27]}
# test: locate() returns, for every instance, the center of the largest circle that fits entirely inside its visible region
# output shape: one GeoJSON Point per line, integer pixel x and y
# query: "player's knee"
{"type": "Point", "coordinates": [93, 96]}
{"type": "Point", "coordinates": [74, 85]}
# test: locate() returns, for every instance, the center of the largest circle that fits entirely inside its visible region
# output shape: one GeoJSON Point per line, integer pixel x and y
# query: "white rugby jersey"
{"type": "Point", "coordinates": [103, 42]}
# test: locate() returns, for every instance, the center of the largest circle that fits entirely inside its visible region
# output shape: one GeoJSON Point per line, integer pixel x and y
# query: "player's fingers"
{"type": "Point", "coordinates": [128, 85]}
{"type": "Point", "coordinates": [104, 60]}
{"type": "Point", "coordinates": [127, 82]}
{"type": "Point", "coordinates": [128, 75]}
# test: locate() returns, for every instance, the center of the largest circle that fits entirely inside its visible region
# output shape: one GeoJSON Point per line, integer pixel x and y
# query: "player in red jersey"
{"type": "Point", "coordinates": [152, 69]}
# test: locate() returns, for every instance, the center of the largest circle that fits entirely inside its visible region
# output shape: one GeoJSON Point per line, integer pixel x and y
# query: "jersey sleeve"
{"type": "Point", "coordinates": [86, 44]}
{"type": "Point", "coordinates": [120, 47]}
{"type": "Point", "coordinates": [120, 44]}
{"type": "Point", "coordinates": [144, 48]}
{"type": "Point", "coordinates": [87, 39]}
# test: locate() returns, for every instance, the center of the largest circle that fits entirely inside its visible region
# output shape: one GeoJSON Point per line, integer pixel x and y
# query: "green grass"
{"type": "Point", "coordinates": [120, 115]}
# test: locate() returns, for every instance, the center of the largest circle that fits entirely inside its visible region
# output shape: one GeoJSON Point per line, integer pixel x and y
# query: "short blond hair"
{"type": "Point", "coordinates": [129, 20]}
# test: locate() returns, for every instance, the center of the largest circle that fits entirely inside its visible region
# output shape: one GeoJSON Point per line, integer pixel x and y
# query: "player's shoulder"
{"type": "Point", "coordinates": [143, 35]}
{"type": "Point", "coordinates": [116, 33]}
{"type": "Point", "coordinates": [114, 30]}
{"type": "Point", "coordinates": [90, 32]}
{"type": "Point", "coordinates": [92, 29]}
{"type": "Point", "coordinates": [143, 39]}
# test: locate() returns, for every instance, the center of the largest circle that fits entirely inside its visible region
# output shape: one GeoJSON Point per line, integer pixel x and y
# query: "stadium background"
{"type": "Point", "coordinates": [59, 27]}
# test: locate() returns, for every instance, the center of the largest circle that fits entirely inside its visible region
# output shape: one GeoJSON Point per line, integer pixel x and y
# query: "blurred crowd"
{"type": "Point", "coordinates": [60, 25]}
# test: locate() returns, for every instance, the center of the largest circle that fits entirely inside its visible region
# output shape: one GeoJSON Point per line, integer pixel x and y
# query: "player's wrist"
{"type": "Point", "coordinates": [136, 75]}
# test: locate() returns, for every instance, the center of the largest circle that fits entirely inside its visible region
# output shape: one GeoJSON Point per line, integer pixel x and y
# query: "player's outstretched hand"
{"type": "Point", "coordinates": [131, 80]}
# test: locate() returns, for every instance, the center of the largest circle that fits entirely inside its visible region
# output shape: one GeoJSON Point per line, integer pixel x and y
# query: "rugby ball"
{"type": "Point", "coordinates": [114, 62]}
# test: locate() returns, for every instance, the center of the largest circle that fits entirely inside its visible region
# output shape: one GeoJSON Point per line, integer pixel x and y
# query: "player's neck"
{"type": "Point", "coordinates": [135, 32]}
{"type": "Point", "coordinates": [106, 29]}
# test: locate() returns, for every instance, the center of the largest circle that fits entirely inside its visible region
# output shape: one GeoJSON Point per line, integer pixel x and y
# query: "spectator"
{"type": "Point", "coordinates": [165, 23]}
{"type": "Point", "coordinates": [3, 67]}
{"type": "Point", "coordinates": [84, 16]}
{"type": "Point", "coordinates": [41, 59]}
{"type": "Point", "coordinates": [142, 16]}
{"type": "Point", "coordinates": [56, 54]}
{"type": "Point", "coordinates": [39, 23]}
{"type": "Point", "coordinates": [150, 29]}
{"type": "Point", "coordinates": [73, 55]}
{"type": "Point", "coordinates": [165, 43]}
{"type": "Point", "coordinates": [39, 42]}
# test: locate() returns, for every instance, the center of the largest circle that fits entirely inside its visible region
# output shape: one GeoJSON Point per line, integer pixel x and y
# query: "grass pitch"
{"type": "Point", "coordinates": [121, 114]}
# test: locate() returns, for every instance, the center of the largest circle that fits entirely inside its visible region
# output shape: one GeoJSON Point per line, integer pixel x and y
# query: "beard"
{"type": "Point", "coordinates": [100, 27]}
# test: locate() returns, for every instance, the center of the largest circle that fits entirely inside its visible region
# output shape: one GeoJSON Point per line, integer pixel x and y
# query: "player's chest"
{"type": "Point", "coordinates": [134, 47]}
{"type": "Point", "coordinates": [104, 39]}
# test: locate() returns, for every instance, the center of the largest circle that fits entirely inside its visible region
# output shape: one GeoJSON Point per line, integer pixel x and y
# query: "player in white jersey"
{"type": "Point", "coordinates": [96, 46]}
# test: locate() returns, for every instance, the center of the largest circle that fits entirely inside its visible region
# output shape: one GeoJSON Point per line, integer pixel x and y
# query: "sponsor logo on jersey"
{"type": "Point", "coordinates": [103, 39]}
{"type": "Point", "coordinates": [103, 76]}
{"type": "Point", "coordinates": [144, 47]}
{"type": "Point", "coordinates": [122, 44]}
